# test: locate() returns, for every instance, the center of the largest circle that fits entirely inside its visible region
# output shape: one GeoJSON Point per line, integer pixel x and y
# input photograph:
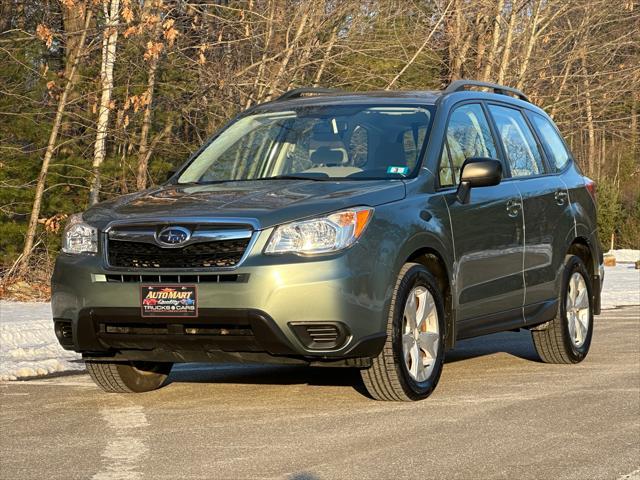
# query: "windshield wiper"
{"type": "Point", "coordinates": [204, 182]}
{"type": "Point", "coordinates": [294, 177]}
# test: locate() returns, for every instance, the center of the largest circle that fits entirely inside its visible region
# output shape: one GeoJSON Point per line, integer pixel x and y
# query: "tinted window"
{"type": "Point", "coordinates": [556, 151]}
{"type": "Point", "coordinates": [519, 143]}
{"type": "Point", "coordinates": [468, 135]}
{"type": "Point", "coordinates": [321, 142]}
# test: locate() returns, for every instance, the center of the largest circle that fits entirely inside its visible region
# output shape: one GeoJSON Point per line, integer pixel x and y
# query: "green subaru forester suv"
{"type": "Point", "coordinates": [363, 230]}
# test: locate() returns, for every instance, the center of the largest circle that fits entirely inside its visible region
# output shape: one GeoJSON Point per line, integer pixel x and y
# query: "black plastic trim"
{"type": "Point", "coordinates": [265, 343]}
{"type": "Point", "coordinates": [493, 323]}
{"type": "Point", "coordinates": [597, 294]}
{"type": "Point", "coordinates": [298, 92]}
{"type": "Point", "coordinates": [540, 312]}
{"type": "Point", "coordinates": [461, 85]}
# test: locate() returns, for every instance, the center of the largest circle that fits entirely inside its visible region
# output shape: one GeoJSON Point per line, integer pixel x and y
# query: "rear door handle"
{"type": "Point", "coordinates": [513, 207]}
{"type": "Point", "coordinates": [561, 197]}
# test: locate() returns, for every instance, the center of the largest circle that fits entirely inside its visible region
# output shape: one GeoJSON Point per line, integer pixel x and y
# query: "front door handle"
{"type": "Point", "coordinates": [513, 207]}
{"type": "Point", "coordinates": [561, 197]}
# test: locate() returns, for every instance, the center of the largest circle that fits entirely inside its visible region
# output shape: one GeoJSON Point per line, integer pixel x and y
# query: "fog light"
{"type": "Point", "coordinates": [64, 332]}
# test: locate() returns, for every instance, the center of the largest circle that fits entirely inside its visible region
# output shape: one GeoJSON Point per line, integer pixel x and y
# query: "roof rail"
{"type": "Point", "coordinates": [460, 85]}
{"type": "Point", "coordinates": [299, 92]}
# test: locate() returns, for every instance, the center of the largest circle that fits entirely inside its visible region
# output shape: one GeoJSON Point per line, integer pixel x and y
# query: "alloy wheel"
{"type": "Point", "coordinates": [577, 309]}
{"type": "Point", "coordinates": [420, 334]}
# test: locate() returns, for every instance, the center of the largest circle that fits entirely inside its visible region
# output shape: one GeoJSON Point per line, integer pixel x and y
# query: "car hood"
{"type": "Point", "coordinates": [263, 203]}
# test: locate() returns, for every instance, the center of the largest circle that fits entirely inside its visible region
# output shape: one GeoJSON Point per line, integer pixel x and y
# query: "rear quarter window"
{"type": "Point", "coordinates": [551, 141]}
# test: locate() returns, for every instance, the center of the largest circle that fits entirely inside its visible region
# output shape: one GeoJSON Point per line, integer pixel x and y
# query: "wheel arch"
{"type": "Point", "coordinates": [582, 247]}
{"type": "Point", "coordinates": [434, 261]}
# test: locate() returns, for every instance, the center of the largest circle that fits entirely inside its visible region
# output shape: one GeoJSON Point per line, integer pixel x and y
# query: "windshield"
{"type": "Point", "coordinates": [319, 143]}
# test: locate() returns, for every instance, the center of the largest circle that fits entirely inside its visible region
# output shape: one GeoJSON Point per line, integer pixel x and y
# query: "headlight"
{"type": "Point", "coordinates": [78, 237]}
{"type": "Point", "coordinates": [320, 235]}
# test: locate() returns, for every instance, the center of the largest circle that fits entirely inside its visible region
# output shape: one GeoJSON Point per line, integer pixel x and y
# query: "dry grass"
{"type": "Point", "coordinates": [34, 286]}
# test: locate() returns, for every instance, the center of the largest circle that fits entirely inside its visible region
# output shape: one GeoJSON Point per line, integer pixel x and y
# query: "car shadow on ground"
{"type": "Point", "coordinates": [516, 344]}
{"type": "Point", "coordinates": [267, 375]}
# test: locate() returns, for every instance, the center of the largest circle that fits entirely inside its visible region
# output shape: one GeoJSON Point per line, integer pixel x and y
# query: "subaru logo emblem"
{"type": "Point", "coordinates": [172, 236]}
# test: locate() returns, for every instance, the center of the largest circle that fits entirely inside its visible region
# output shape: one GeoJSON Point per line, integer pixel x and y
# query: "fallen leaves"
{"type": "Point", "coordinates": [22, 291]}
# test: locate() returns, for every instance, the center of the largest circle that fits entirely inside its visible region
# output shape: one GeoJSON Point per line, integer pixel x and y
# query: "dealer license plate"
{"type": "Point", "coordinates": [169, 300]}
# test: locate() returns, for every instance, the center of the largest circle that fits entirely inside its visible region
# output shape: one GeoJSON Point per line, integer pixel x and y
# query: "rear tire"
{"type": "Point", "coordinates": [128, 377]}
{"type": "Point", "coordinates": [409, 366]}
{"type": "Point", "coordinates": [567, 338]}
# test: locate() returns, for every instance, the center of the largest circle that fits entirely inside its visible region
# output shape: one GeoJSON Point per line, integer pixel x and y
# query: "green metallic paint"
{"type": "Point", "coordinates": [481, 247]}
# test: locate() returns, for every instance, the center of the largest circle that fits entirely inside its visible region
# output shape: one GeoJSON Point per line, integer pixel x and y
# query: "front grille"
{"type": "Point", "coordinates": [215, 254]}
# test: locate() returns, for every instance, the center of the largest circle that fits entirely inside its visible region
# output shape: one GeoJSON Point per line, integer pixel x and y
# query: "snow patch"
{"type": "Point", "coordinates": [625, 255]}
{"type": "Point", "coordinates": [28, 346]}
{"type": "Point", "coordinates": [126, 447]}
{"type": "Point", "coordinates": [621, 286]}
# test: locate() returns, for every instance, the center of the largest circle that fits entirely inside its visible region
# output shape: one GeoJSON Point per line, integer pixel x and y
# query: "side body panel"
{"type": "Point", "coordinates": [489, 251]}
{"type": "Point", "coordinates": [548, 221]}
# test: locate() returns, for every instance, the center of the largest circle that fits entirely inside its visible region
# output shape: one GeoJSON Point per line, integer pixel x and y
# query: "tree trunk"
{"type": "Point", "coordinates": [288, 53]}
{"type": "Point", "coordinates": [506, 53]}
{"type": "Point", "coordinates": [486, 74]}
{"type": "Point", "coordinates": [634, 117]}
{"type": "Point", "coordinates": [255, 93]}
{"type": "Point", "coordinates": [73, 19]}
{"type": "Point", "coordinates": [22, 263]}
{"type": "Point", "coordinates": [327, 54]}
{"type": "Point", "coordinates": [531, 41]}
{"type": "Point", "coordinates": [419, 50]}
{"type": "Point", "coordinates": [109, 43]}
{"type": "Point", "coordinates": [459, 55]}
{"type": "Point", "coordinates": [563, 82]}
{"type": "Point", "coordinates": [143, 159]}
{"type": "Point", "coordinates": [591, 152]}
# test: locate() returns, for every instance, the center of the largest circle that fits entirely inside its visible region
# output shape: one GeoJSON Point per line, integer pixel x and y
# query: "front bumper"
{"type": "Point", "coordinates": [251, 319]}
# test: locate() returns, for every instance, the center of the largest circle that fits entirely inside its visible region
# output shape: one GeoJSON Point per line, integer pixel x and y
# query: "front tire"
{"type": "Point", "coordinates": [567, 338]}
{"type": "Point", "coordinates": [409, 366]}
{"type": "Point", "coordinates": [128, 377]}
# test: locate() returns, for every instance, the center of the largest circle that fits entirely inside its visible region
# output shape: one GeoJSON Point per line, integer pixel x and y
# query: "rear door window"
{"type": "Point", "coordinates": [554, 146]}
{"type": "Point", "coordinates": [521, 148]}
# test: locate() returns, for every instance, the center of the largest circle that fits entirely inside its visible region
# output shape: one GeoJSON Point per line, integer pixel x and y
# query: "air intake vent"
{"type": "Point", "coordinates": [320, 336]}
{"type": "Point", "coordinates": [133, 278]}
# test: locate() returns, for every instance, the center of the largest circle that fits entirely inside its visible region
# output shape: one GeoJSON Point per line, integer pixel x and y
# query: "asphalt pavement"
{"type": "Point", "coordinates": [498, 413]}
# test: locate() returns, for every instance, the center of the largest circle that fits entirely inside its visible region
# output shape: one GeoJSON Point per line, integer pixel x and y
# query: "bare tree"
{"type": "Point", "coordinates": [109, 42]}
{"type": "Point", "coordinates": [22, 262]}
{"type": "Point", "coordinates": [154, 50]}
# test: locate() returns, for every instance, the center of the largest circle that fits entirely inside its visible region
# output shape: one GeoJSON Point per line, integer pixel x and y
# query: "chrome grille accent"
{"type": "Point", "coordinates": [210, 246]}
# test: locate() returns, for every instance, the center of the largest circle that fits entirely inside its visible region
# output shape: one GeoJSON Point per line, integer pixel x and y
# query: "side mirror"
{"type": "Point", "coordinates": [478, 172]}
